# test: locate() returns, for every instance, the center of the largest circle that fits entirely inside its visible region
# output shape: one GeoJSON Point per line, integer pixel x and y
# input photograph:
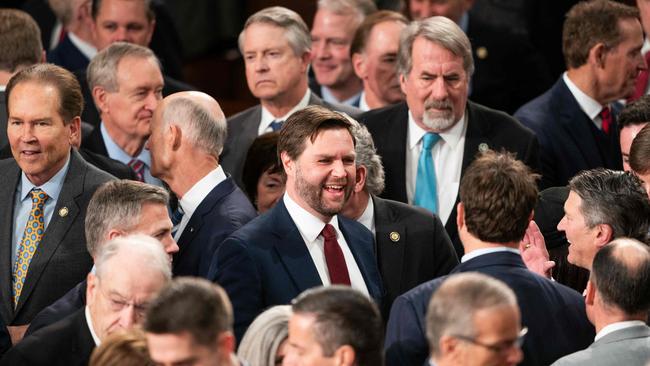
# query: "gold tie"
{"type": "Point", "coordinates": [31, 237]}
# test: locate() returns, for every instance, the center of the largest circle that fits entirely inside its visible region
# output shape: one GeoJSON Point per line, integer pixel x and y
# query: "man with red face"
{"type": "Point", "coordinates": [127, 84]}
{"type": "Point", "coordinates": [574, 120]}
{"type": "Point", "coordinates": [301, 242]}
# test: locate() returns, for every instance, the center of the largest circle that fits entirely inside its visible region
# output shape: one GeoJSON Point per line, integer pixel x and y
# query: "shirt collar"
{"type": "Point", "coordinates": [367, 218]}
{"type": "Point", "coordinates": [478, 252]}
{"type": "Point", "coordinates": [363, 105]}
{"type": "Point", "coordinates": [588, 104]}
{"type": "Point", "coordinates": [52, 187]}
{"type": "Point", "coordinates": [3, 88]}
{"type": "Point", "coordinates": [611, 328]}
{"type": "Point", "coordinates": [267, 117]}
{"type": "Point", "coordinates": [452, 136]}
{"type": "Point", "coordinates": [309, 225]}
{"type": "Point", "coordinates": [89, 320]}
{"type": "Point", "coordinates": [328, 96]}
{"type": "Point", "coordinates": [115, 151]}
{"type": "Point", "coordinates": [84, 47]}
{"type": "Point", "coordinates": [193, 198]}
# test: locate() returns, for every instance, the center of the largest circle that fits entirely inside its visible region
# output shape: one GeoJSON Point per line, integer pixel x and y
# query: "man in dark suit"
{"type": "Point", "coordinates": [575, 119]}
{"type": "Point", "coordinates": [129, 273]}
{"type": "Point", "coordinates": [187, 134]}
{"type": "Point", "coordinates": [76, 48]}
{"type": "Point", "coordinates": [508, 70]}
{"type": "Point", "coordinates": [280, 82]}
{"type": "Point", "coordinates": [46, 188]}
{"type": "Point", "coordinates": [498, 194]}
{"type": "Point", "coordinates": [438, 129]}
{"type": "Point", "coordinates": [301, 242]}
{"type": "Point", "coordinates": [411, 244]}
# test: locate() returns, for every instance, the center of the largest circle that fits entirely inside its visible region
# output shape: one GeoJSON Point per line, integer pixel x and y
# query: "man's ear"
{"type": "Point", "coordinates": [75, 131]}
{"type": "Point", "coordinates": [174, 136]}
{"type": "Point", "coordinates": [359, 64]}
{"type": "Point", "coordinates": [226, 343]}
{"type": "Point", "coordinates": [100, 97]}
{"type": "Point", "coordinates": [287, 162]}
{"type": "Point", "coordinates": [604, 235]}
{"type": "Point", "coordinates": [402, 82]}
{"type": "Point", "coordinates": [590, 293]}
{"type": "Point", "coordinates": [360, 182]}
{"type": "Point", "coordinates": [345, 356]}
{"type": "Point", "coordinates": [460, 215]}
{"type": "Point", "coordinates": [597, 55]}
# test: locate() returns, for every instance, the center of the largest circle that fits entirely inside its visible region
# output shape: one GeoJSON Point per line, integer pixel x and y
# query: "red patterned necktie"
{"type": "Point", "coordinates": [641, 81]}
{"type": "Point", "coordinates": [607, 121]}
{"type": "Point", "coordinates": [138, 167]}
{"type": "Point", "coordinates": [336, 266]}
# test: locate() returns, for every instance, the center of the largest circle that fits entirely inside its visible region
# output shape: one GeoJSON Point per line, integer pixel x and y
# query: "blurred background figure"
{"type": "Point", "coordinates": [262, 175]}
{"type": "Point", "coordinates": [127, 348]}
{"type": "Point", "coordinates": [265, 341]}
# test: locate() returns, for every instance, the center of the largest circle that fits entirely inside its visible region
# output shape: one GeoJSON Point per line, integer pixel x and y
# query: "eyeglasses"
{"type": "Point", "coordinates": [501, 347]}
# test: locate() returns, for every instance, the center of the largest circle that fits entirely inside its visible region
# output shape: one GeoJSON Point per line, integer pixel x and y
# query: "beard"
{"type": "Point", "coordinates": [312, 194]}
{"type": "Point", "coordinates": [441, 119]}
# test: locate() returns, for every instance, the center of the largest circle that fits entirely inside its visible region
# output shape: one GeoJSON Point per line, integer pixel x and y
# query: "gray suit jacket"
{"type": "Point", "coordinates": [61, 260]}
{"type": "Point", "coordinates": [242, 131]}
{"type": "Point", "coordinates": [629, 347]}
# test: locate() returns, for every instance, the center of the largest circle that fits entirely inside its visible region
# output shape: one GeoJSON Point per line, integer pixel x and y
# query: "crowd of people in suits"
{"type": "Point", "coordinates": [411, 189]}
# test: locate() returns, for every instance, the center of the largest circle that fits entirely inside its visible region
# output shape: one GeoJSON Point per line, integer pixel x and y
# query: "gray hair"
{"type": "Point", "coordinates": [204, 129]}
{"type": "Point", "coordinates": [102, 70]}
{"type": "Point", "coordinates": [452, 307]}
{"type": "Point", "coordinates": [368, 157]}
{"type": "Point", "coordinates": [295, 29]}
{"type": "Point", "coordinates": [146, 250]}
{"type": "Point", "coordinates": [117, 205]}
{"type": "Point", "coordinates": [439, 30]}
{"type": "Point", "coordinates": [359, 8]}
{"type": "Point", "coordinates": [264, 336]}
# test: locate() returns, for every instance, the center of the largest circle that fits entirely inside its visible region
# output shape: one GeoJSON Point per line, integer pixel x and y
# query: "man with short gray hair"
{"type": "Point", "coordinates": [474, 318]}
{"type": "Point", "coordinates": [411, 244]}
{"type": "Point", "coordinates": [427, 142]}
{"type": "Point", "coordinates": [129, 273]}
{"type": "Point", "coordinates": [187, 135]}
{"type": "Point", "coordinates": [126, 84]}
{"type": "Point", "coordinates": [276, 46]}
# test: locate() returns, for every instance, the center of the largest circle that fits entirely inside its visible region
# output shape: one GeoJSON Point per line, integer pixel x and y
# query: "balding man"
{"type": "Point", "coordinates": [187, 135]}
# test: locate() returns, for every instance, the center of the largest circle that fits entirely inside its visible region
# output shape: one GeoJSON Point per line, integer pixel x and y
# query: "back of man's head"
{"type": "Point", "coordinates": [498, 194]}
{"type": "Point", "coordinates": [343, 316]}
{"type": "Point", "coordinates": [640, 153]}
{"type": "Point", "coordinates": [20, 40]}
{"type": "Point", "coordinates": [614, 198]}
{"type": "Point", "coordinates": [621, 274]}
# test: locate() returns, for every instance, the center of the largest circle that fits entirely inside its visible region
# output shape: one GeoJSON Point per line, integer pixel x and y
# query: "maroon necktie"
{"type": "Point", "coordinates": [641, 81]}
{"type": "Point", "coordinates": [606, 116]}
{"type": "Point", "coordinates": [334, 258]}
{"type": "Point", "coordinates": [138, 167]}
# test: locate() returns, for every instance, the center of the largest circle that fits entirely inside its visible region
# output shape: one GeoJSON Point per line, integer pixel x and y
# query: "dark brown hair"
{"type": "Point", "coordinates": [20, 40]}
{"type": "Point", "coordinates": [262, 156]}
{"type": "Point", "coordinates": [640, 151]}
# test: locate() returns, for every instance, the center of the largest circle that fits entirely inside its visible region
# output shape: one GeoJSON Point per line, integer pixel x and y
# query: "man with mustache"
{"type": "Point", "coordinates": [301, 242]}
{"type": "Point", "coordinates": [427, 142]}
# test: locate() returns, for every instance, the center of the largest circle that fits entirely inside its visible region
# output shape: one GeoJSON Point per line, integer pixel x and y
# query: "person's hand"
{"type": "Point", "coordinates": [533, 251]}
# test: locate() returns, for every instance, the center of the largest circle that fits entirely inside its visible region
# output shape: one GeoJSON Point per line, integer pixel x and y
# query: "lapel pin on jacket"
{"type": "Point", "coordinates": [63, 212]}
{"type": "Point", "coordinates": [394, 236]}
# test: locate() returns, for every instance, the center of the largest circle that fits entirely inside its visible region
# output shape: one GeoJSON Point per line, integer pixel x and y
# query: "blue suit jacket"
{"type": "Point", "coordinates": [224, 210]}
{"type": "Point", "coordinates": [554, 314]}
{"type": "Point", "coordinates": [267, 263]}
{"type": "Point", "coordinates": [68, 56]}
{"type": "Point", "coordinates": [566, 137]}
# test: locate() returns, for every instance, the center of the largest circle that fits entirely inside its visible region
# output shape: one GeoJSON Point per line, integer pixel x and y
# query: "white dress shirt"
{"type": "Point", "coordinates": [267, 117]}
{"type": "Point", "coordinates": [611, 328]}
{"type": "Point", "coordinates": [448, 161]}
{"type": "Point", "coordinates": [367, 218]}
{"type": "Point", "coordinates": [588, 104]}
{"type": "Point", "coordinates": [310, 228]}
{"type": "Point", "coordinates": [479, 252]}
{"type": "Point", "coordinates": [193, 198]}
{"type": "Point", "coordinates": [84, 47]}
{"type": "Point", "coordinates": [363, 105]}
{"type": "Point", "coordinates": [89, 320]}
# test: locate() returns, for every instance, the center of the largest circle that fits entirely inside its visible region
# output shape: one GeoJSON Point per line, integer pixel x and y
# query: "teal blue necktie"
{"type": "Point", "coordinates": [425, 183]}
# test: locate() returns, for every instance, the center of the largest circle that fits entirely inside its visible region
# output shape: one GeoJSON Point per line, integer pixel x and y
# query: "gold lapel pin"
{"type": "Point", "coordinates": [394, 236]}
{"type": "Point", "coordinates": [482, 53]}
{"type": "Point", "coordinates": [63, 212]}
{"type": "Point", "coordinates": [483, 147]}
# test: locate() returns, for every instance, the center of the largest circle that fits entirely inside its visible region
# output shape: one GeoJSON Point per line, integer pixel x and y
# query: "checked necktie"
{"type": "Point", "coordinates": [336, 266]}
{"type": "Point", "coordinates": [29, 243]}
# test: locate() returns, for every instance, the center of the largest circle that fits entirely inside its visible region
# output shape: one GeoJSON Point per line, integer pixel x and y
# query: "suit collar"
{"type": "Point", "coordinates": [492, 259]}
{"type": "Point", "coordinates": [200, 190]}
{"type": "Point", "coordinates": [635, 331]}
{"type": "Point", "coordinates": [476, 135]}
{"type": "Point", "coordinates": [8, 181]}
{"type": "Point", "coordinates": [266, 116]}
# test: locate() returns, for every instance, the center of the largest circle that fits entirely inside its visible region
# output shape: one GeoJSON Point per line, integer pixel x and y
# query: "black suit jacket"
{"type": "Point", "coordinates": [224, 210]}
{"type": "Point", "coordinates": [568, 138]}
{"type": "Point", "coordinates": [61, 260]}
{"type": "Point", "coordinates": [485, 128]}
{"type": "Point", "coordinates": [68, 56]}
{"type": "Point", "coordinates": [67, 343]}
{"type": "Point", "coordinates": [69, 303]}
{"type": "Point", "coordinates": [242, 131]}
{"type": "Point", "coordinates": [412, 247]}
{"type": "Point", "coordinates": [554, 314]}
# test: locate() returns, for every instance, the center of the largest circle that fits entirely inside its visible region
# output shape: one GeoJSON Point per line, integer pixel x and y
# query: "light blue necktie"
{"type": "Point", "coordinates": [425, 184]}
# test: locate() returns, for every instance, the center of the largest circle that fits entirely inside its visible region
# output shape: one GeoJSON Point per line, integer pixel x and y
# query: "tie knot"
{"type": "Point", "coordinates": [429, 140]}
{"type": "Point", "coordinates": [328, 232]}
{"type": "Point", "coordinates": [38, 196]}
{"type": "Point", "coordinates": [605, 113]}
{"type": "Point", "coordinates": [276, 125]}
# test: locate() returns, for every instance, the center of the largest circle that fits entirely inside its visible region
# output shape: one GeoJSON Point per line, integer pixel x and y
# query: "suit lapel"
{"type": "Point", "coordinates": [393, 151]}
{"type": "Point", "coordinates": [9, 181]}
{"type": "Point", "coordinates": [390, 247]}
{"type": "Point", "coordinates": [362, 251]}
{"type": "Point", "coordinates": [59, 225]}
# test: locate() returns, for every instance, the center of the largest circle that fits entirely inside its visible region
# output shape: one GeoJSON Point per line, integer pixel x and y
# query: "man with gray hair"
{"type": "Point", "coordinates": [187, 135]}
{"type": "Point", "coordinates": [129, 273]}
{"type": "Point", "coordinates": [411, 244]}
{"type": "Point", "coordinates": [427, 142]}
{"type": "Point", "coordinates": [335, 23]}
{"type": "Point", "coordinates": [75, 50]}
{"type": "Point", "coordinates": [473, 319]}
{"type": "Point", "coordinates": [126, 84]}
{"type": "Point", "coordinates": [276, 46]}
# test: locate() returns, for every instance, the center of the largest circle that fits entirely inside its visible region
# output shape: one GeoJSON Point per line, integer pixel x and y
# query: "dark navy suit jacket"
{"type": "Point", "coordinates": [554, 314]}
{"type": "Point", "coordinates": [566, 137]}
{"type": "Point", "coordinates": [68, 56]}
{"type": "Point", "coordinates": [224, 210]}
{"type": "Point", "coordinates": [72, 301]}
{"type": "Point", "coordinates": [267, 263]}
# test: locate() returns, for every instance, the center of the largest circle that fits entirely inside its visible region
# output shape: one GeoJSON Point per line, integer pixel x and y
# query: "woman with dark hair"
{"type": "Point", "coordinates": [263, 176]}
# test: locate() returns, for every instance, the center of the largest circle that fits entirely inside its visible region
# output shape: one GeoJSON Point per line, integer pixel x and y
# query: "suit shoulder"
{"type": "Point", "coordinates": [243, 115]}
{"type": "Point", "coordinates": [382, 114]}
{"type": "Point", "coordinates": [349, 110]}
{"type": "Point", "coordinates": [501, 121]}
